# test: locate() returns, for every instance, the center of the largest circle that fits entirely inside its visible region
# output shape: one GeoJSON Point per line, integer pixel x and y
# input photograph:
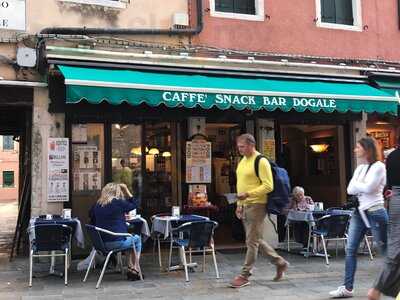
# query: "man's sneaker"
{"type": "Point", "coordinates": [341, 292]}
{"type": "Point", "coordinates": [281, 268]}
{"type": "Point", "coordinates": [239, 281]}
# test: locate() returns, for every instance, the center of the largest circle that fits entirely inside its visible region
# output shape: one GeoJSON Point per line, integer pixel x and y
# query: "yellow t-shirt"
{"type": "Point", "coordinates": [398, 297]}
{"type": "Point", "coordinates": [248, 182]}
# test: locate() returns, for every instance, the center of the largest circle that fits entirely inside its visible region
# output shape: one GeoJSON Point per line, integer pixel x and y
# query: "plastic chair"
{"type": "Point", "coordinates": [195, 237]}
{"type": "Point", "coordinates": [95, 234]}
{"type": "Point", "coordinates": [49, 238]}
{"type": "Point", "coordinates": [331, 228]}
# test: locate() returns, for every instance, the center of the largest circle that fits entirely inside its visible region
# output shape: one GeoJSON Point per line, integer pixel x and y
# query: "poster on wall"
{"type": "Point", "coordinates": [198, 161]}
{"type": "Point", "coordinates": [58, 170]}
{"type": "Point", "coordinates": [269, 149]}
{"type": "Point", "coordinates": [79, 133]}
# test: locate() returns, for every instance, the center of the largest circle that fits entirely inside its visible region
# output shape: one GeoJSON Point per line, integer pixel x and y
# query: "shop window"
{"type": "Point", "coordinates": [88, 163]}
{"type": "Point", "coordinates": [8, 142]}
{"type": "Point", "coordinates": [127, 156]}
{"type": "Point", "coordinates": [157, 189]}
{"type": "Point", "coordinates": [339, 14]}
{"type": "Point", "coordinates": [251, 10]}
{"type": "Point", "coordinates": [8, 178]}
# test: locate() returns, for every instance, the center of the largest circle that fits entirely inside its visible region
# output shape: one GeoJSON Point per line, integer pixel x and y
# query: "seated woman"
{"type": "Point", "coordinates": [109, 213]}
{"type": "Point", "coordinates": [299, 201]}
{"type": "Point", "coordinates": [302, 203]}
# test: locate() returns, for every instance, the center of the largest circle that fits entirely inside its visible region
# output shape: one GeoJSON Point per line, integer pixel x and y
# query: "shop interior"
{"type": "Point", "coordinates": [314, 157]}
{"type": "Point", "coordinates": [385, 130]}
{"type": "Point", "coordinates": [225, 158]}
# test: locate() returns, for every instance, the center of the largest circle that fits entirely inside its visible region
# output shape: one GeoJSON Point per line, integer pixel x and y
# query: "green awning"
{"type": "Point", "coordinates": [183, 90]}
{"type": "Point", "coordinates": [389, 85]}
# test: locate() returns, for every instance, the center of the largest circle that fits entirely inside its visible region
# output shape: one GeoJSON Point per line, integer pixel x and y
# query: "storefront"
{"type": "Point", "coordinates": [133, 127]}
{"type": "Point", "coordinates": [385, 128]}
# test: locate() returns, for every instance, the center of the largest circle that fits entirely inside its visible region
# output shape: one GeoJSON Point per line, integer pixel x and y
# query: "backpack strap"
{"type": "Point", "coordinates": [257, 164]}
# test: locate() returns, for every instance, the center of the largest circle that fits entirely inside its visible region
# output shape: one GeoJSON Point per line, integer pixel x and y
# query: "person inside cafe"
{"type": "Point", "coordinates": [300, 202]}
{"type": "Point", "coordinates": [109, 213]}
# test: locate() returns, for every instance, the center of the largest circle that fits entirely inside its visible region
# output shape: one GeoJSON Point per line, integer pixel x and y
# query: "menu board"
{"type": "Point", "coordinates": [58, 170]}
{"type": "Point", "coordinates": [198, 161]}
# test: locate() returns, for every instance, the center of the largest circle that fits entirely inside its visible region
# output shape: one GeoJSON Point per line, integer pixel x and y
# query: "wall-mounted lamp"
{"type": "Point", "coordinates": [319, 148]}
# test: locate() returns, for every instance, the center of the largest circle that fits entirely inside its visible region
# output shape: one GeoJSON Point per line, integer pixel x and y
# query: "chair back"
{"type": "Point", "coordinates": [199, 233]}
{"type": "Point", "coordinates": [336, 225]}
{"type": "Point", "coordinates": [96, 238]}
{"type": "Point", "coordinates": [51, 237]}
{"type": "Point", "coordinates": [333, 208]}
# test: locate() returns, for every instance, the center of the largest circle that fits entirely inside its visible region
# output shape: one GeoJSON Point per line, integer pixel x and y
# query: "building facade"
{"type": "Point", "coordinates": [133, 86]}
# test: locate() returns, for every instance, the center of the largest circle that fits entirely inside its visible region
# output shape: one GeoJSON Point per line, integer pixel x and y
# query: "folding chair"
{"type": "Point", "coordinates": [95, 234]}
{"type": "Point", "coordinates": [49, 238]}
{"type": "Point", "coordinates": [194, 237]}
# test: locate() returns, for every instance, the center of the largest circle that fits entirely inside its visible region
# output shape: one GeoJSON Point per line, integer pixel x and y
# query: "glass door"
{"type": "Point", "coordinates": [157, 168]}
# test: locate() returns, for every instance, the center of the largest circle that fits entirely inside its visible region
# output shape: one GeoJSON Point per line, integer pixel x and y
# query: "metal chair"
{"type": "Point", "coordinates": [157, 237]}
{"type": "Point", "coordinates": [49, 238]}
{"type": "Point", "coordinates": [331, 228]}
{"type": "Point", "coordinates": [95, 234]}
{"type": "Point", "coordinates": [368, 242]}
{"type": "Point", "coordinates": [194, 237]}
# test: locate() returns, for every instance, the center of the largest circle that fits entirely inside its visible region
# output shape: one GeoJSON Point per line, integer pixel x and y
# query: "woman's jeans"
{"type": "Point", "coordinates": [378, 220]}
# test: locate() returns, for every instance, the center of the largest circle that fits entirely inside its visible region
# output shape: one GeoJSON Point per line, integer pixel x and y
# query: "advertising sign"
{"type": "Point", "coordinates": [58, 170]}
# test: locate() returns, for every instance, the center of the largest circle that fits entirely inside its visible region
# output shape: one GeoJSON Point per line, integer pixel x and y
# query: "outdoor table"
{"type": "Point", "coordinates": [139, 226]}
{"type": "Point", "coordinates": [303, 216]}
{"type": "Point", "coordinates": [75, 225]}
{"type": "Point", "coordinates": [164, 225]}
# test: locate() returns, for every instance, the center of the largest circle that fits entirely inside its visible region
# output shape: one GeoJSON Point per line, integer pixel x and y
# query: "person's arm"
{"type": "Point", "coordinates": [351, 190]}
{"type": "Point", "coordinates": [267, 183]}
{"type": "Point", "coordinates": [370, 183]}
{"type": "Point", "coordinates": [129, 203]}
{"type": "Point", "coordinates": [389, 170]}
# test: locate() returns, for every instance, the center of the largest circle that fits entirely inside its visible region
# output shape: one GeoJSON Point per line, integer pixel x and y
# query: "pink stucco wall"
{"type": "Point", "coordinates": [291, 29]}
{"type": "Point", "coordinates": [9, 162]}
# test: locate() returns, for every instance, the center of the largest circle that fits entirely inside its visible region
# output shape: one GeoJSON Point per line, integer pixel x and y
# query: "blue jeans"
{"type": "Point", "coordinates": [378, 220]}
{"type": "Point", "coordinates": [129, 242]}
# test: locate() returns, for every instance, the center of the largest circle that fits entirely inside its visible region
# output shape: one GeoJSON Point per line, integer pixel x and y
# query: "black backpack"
{"type": "Point", "coordinates": [279, 198]}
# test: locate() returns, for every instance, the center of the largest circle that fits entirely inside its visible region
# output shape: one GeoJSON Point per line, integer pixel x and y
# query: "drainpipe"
{"type": "Point", "coordinates": [131, 31]}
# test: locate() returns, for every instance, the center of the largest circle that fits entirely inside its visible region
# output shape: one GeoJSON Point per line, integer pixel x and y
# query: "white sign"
{"type": "Point", "coordinates": [12, 14]}
{"type": "Point", "coordinates": [58, 170]}
{"type": "Point", "coordinates": [198, 161]}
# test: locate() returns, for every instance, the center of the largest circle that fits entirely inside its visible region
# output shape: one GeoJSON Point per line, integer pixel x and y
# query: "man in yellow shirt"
{"type": "Point", "coordinates": [251, 209]}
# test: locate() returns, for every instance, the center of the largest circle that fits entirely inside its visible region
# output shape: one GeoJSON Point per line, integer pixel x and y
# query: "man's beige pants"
{"type": "Point", "coordinates": [254, 221]}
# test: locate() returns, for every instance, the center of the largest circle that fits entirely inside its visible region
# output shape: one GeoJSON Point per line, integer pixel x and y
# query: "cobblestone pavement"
{"type": "Point", "coordinates": [306, 279]}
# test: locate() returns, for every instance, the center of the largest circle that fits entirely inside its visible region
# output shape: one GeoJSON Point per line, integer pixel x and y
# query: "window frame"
{"type": "Point", "coordinates": [258, 16]}
{"type": "Point", "coordinates": [119, 4]}
{"type": "Point", "coordinates": [357, 18]}
{"type": "Point", "coordinates": [12, 143]}
{"type": "Point", "coordinates": [13, 183]}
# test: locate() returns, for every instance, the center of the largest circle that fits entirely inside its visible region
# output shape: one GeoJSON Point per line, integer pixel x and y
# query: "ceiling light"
{"type": "Point", "coordinates": [319, 148]}
{"type": "Point", "coordinates": [166, 154]}
{"type": "Point", "coordinates": [154, 151]}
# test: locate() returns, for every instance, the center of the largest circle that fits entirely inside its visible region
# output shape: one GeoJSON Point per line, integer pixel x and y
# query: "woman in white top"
{"type": "Point", "coordinates": [367, 184]}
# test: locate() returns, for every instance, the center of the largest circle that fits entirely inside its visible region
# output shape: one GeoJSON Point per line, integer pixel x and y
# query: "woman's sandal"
{"type": "Point", "coordinates": [133, 275]}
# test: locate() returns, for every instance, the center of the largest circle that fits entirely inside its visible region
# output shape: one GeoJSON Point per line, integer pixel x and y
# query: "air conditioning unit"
{"type": "Point", "coordinates": [180, 20]}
